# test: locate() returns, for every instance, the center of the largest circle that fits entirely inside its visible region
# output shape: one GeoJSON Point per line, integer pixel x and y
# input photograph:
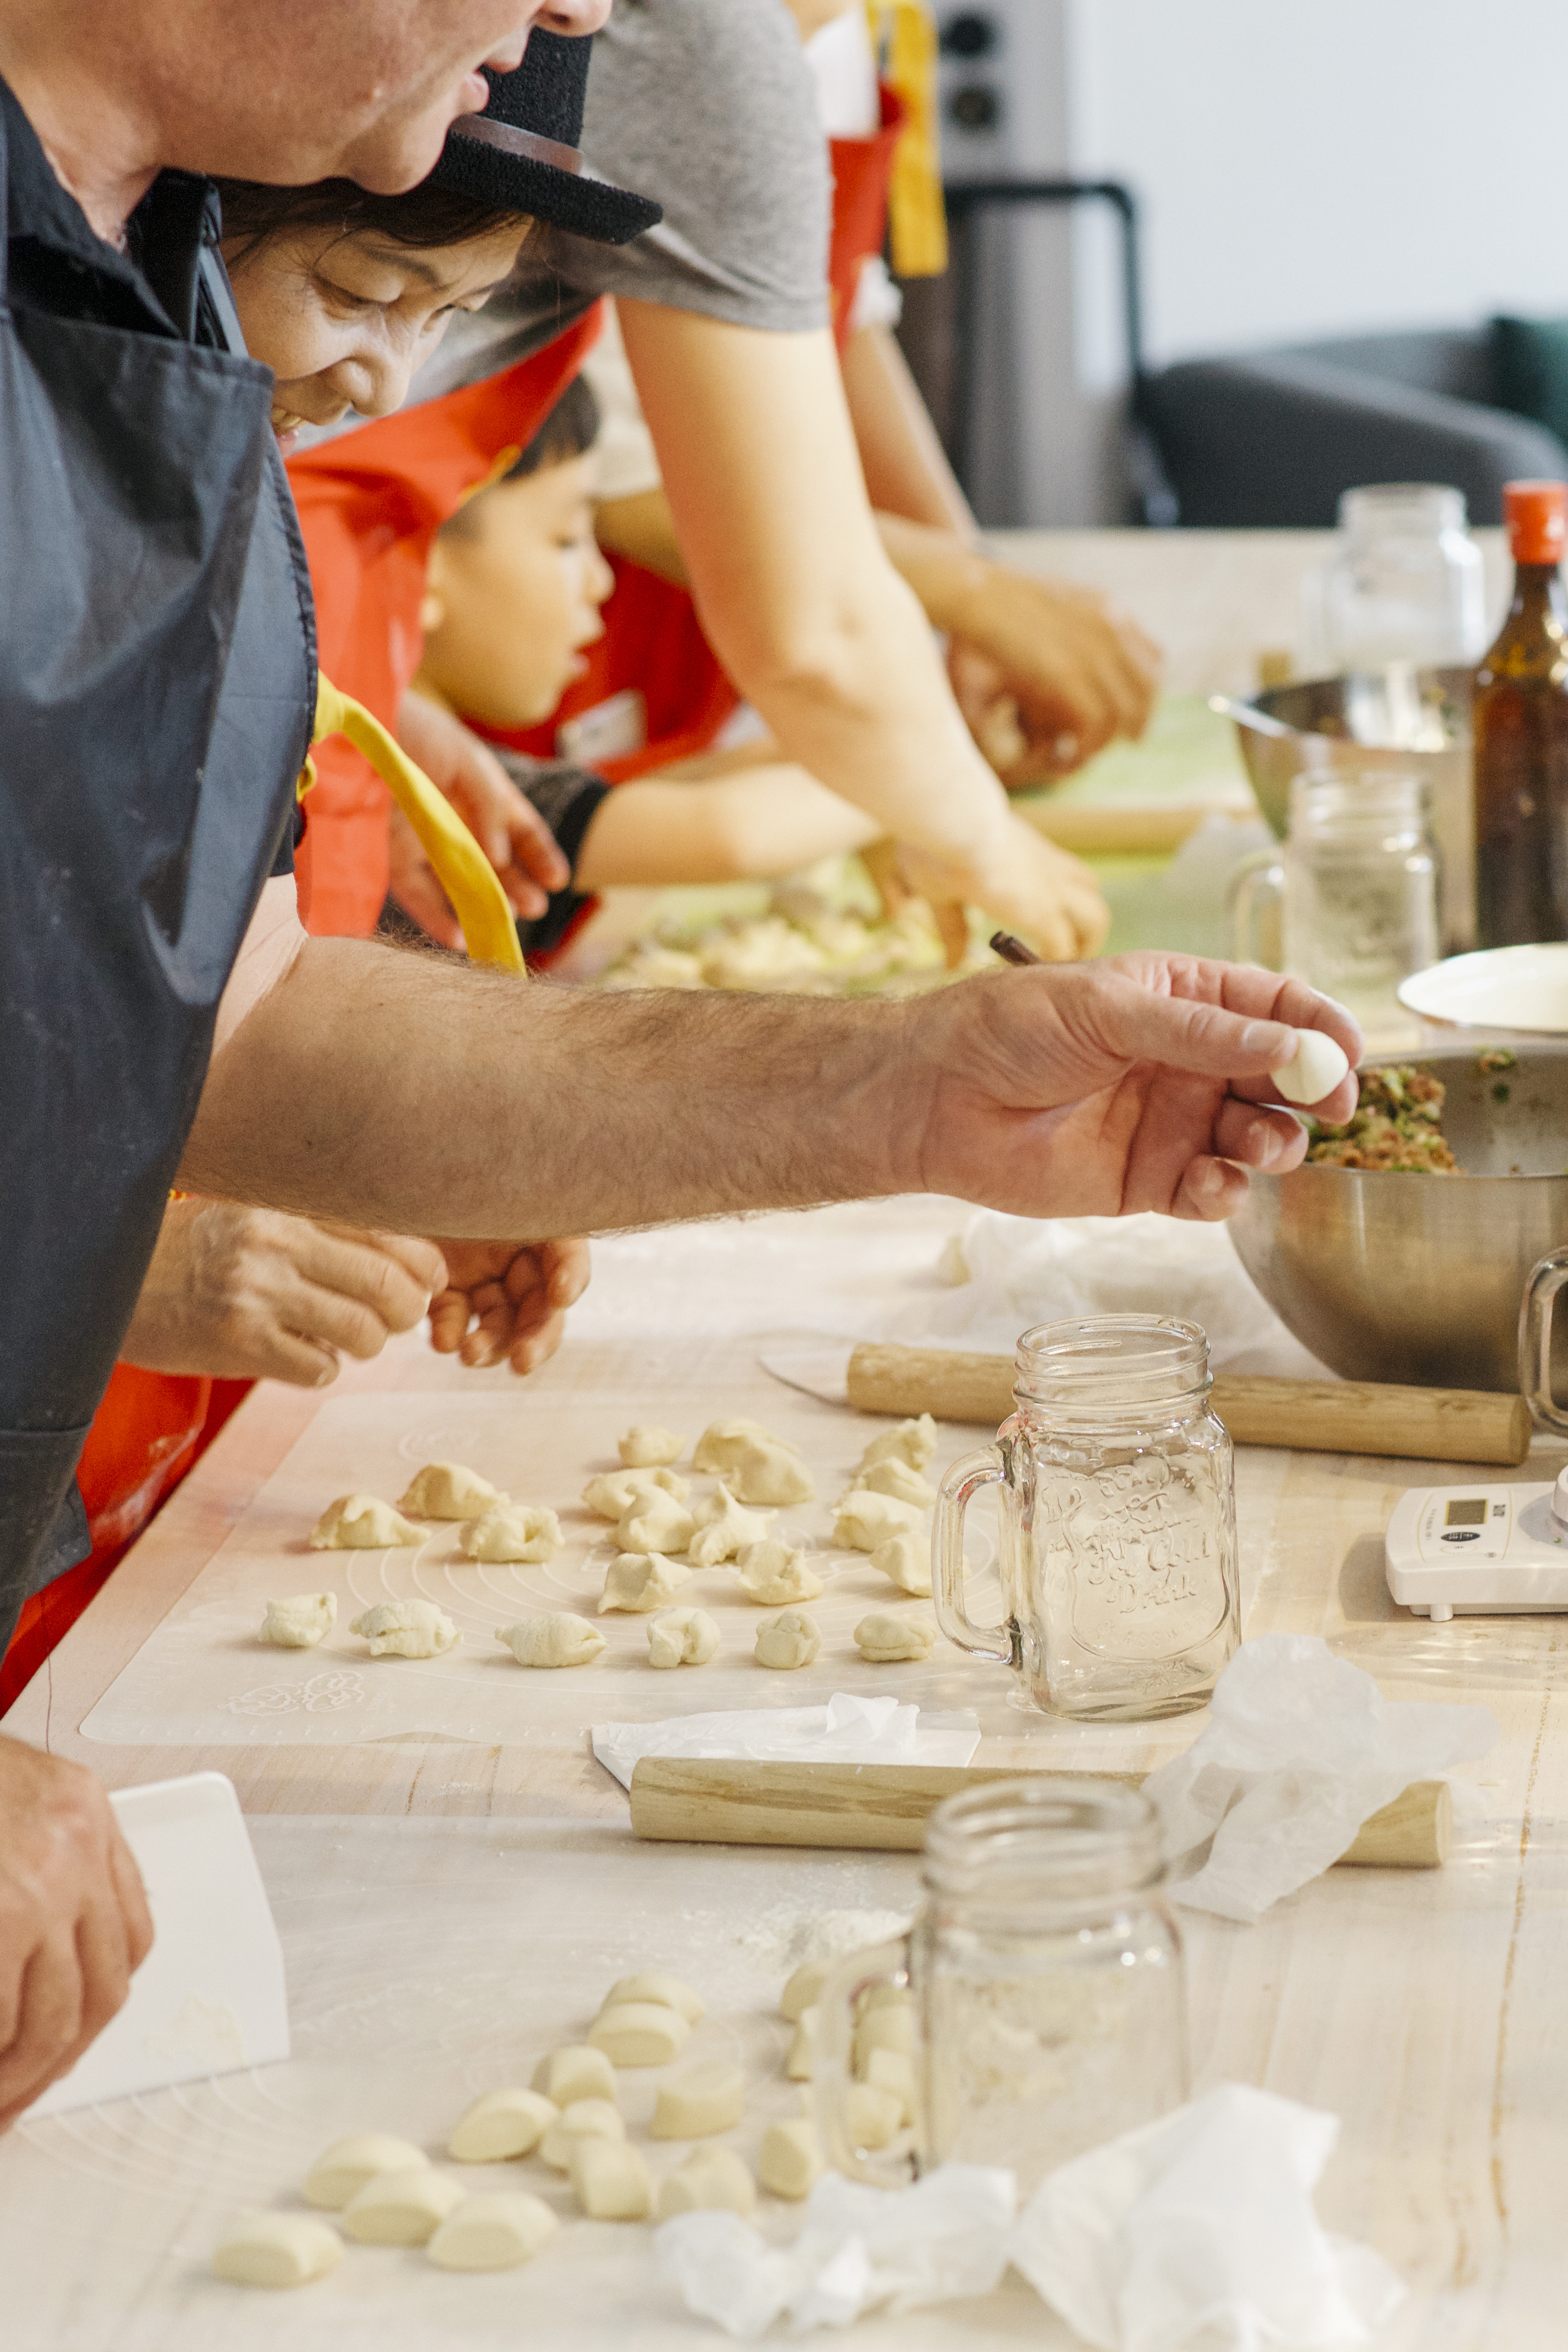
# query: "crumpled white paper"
{"type": "Point", "coordinates": [859, 2249]}
{"type": "Point", "coordinates": [1300, 1749]}
{"type": "Point", "coordinates": [1201, 2228]}
{"type": "Point", "coordinates": [848, 1730]}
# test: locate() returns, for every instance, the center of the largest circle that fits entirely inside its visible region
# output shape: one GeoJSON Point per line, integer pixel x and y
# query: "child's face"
{"type": "Point", "coordinates": [343, 321]}
{"type": "Point", "coordinates": [514, 595]}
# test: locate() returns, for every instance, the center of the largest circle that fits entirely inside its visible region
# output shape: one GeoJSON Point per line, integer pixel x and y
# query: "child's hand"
{"type": "Point", "coordinates": [508, 827]}
{"type": "Point", "coordinates": [1028, 886]}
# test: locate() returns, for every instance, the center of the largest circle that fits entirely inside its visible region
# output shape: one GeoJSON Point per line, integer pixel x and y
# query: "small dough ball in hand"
{"type": "Point", "coordinates": [612, 1493]}
{"type": "Point", "coordinates": [301, 1620]}
{"type": "Point", "coordinates": [885, 1638]}
{"type": "Point", "coordinates": [723, 1443]}
{"type": "Point", "coordinates": [711, 2180]}
{"type": "Point", "coordinates": [913, 1441]}
{"type": "Point", "coordinates": [791, 2158]}
{"type": "Point", "coordinates": [659, 1523]}
{"type": "Point", "coordinates": [584, 2119]}
{"type": "Point", "coordinates": [1315, 1069]}
{"type": "Point", "coordinates": [492, 2234]}
{"type": "Point", "coordinates": [342, 2170]}
{"type": "Point", "coordinates": [771, 1572]}
{"type": "Point", "coordinates": [645, 1446]}
{"type": "Point", "coordinates": [501, 2126]}
{"type": "Point", "coordinates": [576, 2072]}
{"type": "Point", "coordinates": [448, 1490]}
{"type": "Point", "coordinates": [772, 1474]}
{"type": "Point", "coordinates": [696, 2104]}
{"type": "Point", "coordinates": [723, 1529]}
{"type": "Point", "coordinates": [611, 2180]}
{"type": "Point", "coordinates": [639, 2034]}
{"type": "Point", "coordinates": [664, 1992]}
{"type": "Point", "coordinates": [401, 2208]}
{"type": "Point", "coordinates": [895, 1477]}
{"type": "Point", "coordinates": [362, 1523]}
{"type": "Point", "coordinates": [682, 1637]}
{"type": "Point", "coordinates": [787, 1641]}
{"type": "Point", "coordinates": [558, 1639]}
{"type": "Point", "coordinates": [513, 1531]}
{"type": "Point", "coordinates": [275, 2249]}
{"type": "Point", "coordinates": [641, 1581]}
{"type": "Point", "coordinates": [905, 1560]}
{"type": "Point", "coordinates": [406, 1629]}
{"type": "Point", "coordinates": [866, 1520]}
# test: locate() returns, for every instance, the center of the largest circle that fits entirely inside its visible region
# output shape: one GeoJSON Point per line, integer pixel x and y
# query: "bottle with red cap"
{"type": "Point", "coordinates": [1521, 735]}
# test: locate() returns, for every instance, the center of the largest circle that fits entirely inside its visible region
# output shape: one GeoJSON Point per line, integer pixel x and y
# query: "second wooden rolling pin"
{"type": "Point", "coordinates": [707, 1801]}
{"type": "Point", "coordinates": [1317, 1416]}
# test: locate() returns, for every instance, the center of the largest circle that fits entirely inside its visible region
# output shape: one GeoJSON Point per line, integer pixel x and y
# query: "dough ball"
{"type": "Point", "coordinates": [664, 1992]}
{"type": "Point", "coordinates": [789, 1641]}
{"type": "Point", "coordinates": [584, 2119]}
{"type": "Point", "coordinates": [893, 2072]}
{"type": "Point", "coordinates": [559, 1639]}
{"type": "Point", "coordinates": [300, 1621]}
{"type": "Point", "coordinates": [1314, 1070]}
{"type": "Point", "coordinates": [342, 2169]}
{"type": "Point", "coordinates": [905, 1560]}
{"type": "Point", "coordinates": [873, 2117]}
{"type": "Point", "coordinates": [612, 1493]}
{"type": "Point", "coordinates": [913, 1441]}
{"type": "Point", "coordinates": [576, 2072]}
{"type": "Point", "coordinates": [791, 2158]}
{"type": "Point", "coordinates": [500, 2125]}
{"type": "Point", "coordinates": [448, 1490]}
{"type": "Point", "coordinates": [656, 1523]}
{"type": "Point", "coordinates": [513, 1531]}
{"type": "Point", "coordinates": [362, 1523]}
{"type": "Point", "coordinates": [696, 2104]}
{"type": "Point", "coordinates": [492, 2234]}
{"type": "Point", "coordinates": [401, 2208]}
{"type": "Point", "coordinates": [772, 1474]}
{"type": "Point", "coordinates": [889, 2028]}
{"type": "Point", "coordinates": [800, 1994]}
{"type": "Point", "coordinates": [639, 2034]}
{"type": "Point", "coordinates": [771, 1572]}
{"type": "Point", "coordinates": [407, 1629]}
{"type": "Point", "coordinates": [610, 2180]}
{"type": "Point", "coordinates": [682, 1637]}
{"type": "Point", "coordinates": [723, 1443]}
{"type": "Point", "coordinates": [641, 1581]}
{"type": "Point", "coordinates": [895, 1477]}
{"type": "Point", "coordinates": [645, 1446]}
{"type": "Point", "coordinates": [711, 2180]}
{"type": "Point", "coordinates": [800, 2058]}
{"type": "Point", "coordinates": [724, 1528]}
{"type": "Point", "coordinates": [885, 1639]}
{"type": "Point", "coordinates": [275, 2249]}
{"type": "Point", "coordinates": [866, 1520]}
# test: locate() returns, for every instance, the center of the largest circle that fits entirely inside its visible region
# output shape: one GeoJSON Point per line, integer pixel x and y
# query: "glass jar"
{"type": "Point", "coordinates": [1405, 583]}
{"type": "Point", "coordinates": [1118, 1510]}
{"type": "Point", "coordinates": [1038, 1999]}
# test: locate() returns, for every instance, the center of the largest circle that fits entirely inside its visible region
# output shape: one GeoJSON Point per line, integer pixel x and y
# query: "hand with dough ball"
{"type": "Point", "coordinates": [506, 1302]}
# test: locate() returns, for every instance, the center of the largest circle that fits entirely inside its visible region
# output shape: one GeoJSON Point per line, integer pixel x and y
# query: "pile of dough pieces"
{"type": "Point", "coordinates": [387, 2192]}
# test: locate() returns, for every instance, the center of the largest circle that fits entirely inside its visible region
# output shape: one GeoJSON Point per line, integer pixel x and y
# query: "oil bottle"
{"type": "Point", "coordinates": [1521, 735]}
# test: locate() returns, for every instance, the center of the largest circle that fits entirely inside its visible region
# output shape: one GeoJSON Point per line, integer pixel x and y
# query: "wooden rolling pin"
{"type": "Point", "coordinates": [706, 1800]}
{"type": "Point", "coordinates": [1319, 1416]}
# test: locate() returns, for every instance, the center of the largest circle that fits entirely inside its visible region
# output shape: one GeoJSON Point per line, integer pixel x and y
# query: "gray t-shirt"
{"type": "Point", "coordinates": [707, 105]}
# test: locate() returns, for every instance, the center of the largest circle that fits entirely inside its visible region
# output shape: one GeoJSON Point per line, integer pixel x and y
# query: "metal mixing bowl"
{"type": "Point", "coordinates": [1416, 1277]}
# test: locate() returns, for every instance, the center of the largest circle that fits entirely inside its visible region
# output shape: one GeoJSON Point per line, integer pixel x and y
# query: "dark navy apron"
{"type": "Point", "coordinates": [157, 685]}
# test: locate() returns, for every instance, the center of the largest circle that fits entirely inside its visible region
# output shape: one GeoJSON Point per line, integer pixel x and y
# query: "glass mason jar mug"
{"type": "Point", "coordinates": [1118, 1524]}
{"type": "Point", "coordinates": [1035, 2007]}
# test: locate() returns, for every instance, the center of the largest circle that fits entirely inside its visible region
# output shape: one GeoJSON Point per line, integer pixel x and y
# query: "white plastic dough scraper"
{"type": "Point", "coordinates": [1479, 1551]}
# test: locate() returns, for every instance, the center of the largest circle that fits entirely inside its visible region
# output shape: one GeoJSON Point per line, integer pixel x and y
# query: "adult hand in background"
{"type": "Point", "coordinates": [1024, 882]}
{"type": "Point", "coordinates": [74, 1923]}
{"type": "Point", "coordinates": [253, 1294]}
{"type": "Point", "coordinates": [507, 1302]}
{"type": "Point", "coordinates": [505, 822]}
{"type": "Point", "coordinates": [1046, 674]}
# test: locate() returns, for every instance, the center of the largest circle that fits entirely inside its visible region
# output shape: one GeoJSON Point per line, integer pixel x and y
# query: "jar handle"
{"type": "Point", "coordinates": [1255, 889]}
{"type": "Point", "coordinates": [996, 1643]}
{"type": "Point", "coordinates": [833, 2072]}
{"type": "Point", "coordinates": [1546, 1280]}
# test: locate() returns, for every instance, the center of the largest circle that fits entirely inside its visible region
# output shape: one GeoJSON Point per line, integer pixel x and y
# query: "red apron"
{"type": "Point", "coordinates": [862, 169]}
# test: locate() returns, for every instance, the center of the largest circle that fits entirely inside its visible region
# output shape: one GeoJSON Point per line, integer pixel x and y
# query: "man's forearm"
{"type": "Point", "coordinates": [397, 1090]}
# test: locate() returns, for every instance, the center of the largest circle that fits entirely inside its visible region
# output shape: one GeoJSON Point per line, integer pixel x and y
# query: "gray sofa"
{"type": "Point", "coordinates": [1267, 440]}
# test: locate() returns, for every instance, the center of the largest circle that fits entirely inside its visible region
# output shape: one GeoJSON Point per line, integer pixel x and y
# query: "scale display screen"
{"type": "Point", "coordinates": [1466, 1511]}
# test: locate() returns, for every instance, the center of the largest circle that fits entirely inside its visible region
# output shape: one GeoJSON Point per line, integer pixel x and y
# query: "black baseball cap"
{"type": "Point", "coordinates": [521, 155]}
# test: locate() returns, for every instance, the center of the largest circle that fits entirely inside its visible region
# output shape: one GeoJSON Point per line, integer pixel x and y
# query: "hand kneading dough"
{"type": "Point", "coordinates": [657, 1523]}
{"type": "Point", "coordinates": [905, 1560]}
{"type": "Point", "coordinates": [913, 1441]}
{"type": "Point", "coordinates": [772, 1474]}
{"type": "Point", "coordinates": [792, 1640]}
{"type": "Point", "coordinates": [492, 2234]}
{"type": "Point", "coordinates": [401, 2208]}
{"type": "Point", "coordinates": [639, 2034]}
{"type": "Point", "coordinates": [885, 1638]}
{"type": "Point", "coordinates": [300, 1621]}
{"type": "Point", "coordinates": [560, 1639]}
{"type": "Point", "coordinates": [791, 2158]}
{"type": "Point", "coordinates": [872, 2116]}
{"type": "Point", "coordinates": [866, 1520]}
{"type": "Point", "coordinates": [448, 1490]}
{"type": "Point", "coordinates": [584, 2119]}
{"type": "Point", "coordinates": [723, 1443]}
{"type": "Point", "coordinates": [275, 2249]}
{"type": "Point", "coordinates": [645, 1446]}
{"type": "Point", "coordinates": [682, 1637]}
{"type": "Point", "coordinates": [641, 1581]}
{"type": "Point", "coordinates": [362, 1523]}
{"type": "Point", "coordinates": [664, 1992]}
{"type": "Point", "coordinates": [610, 2181]}
{"type": "Point", "coordinates": [711, 2180]}
{"type": "Point", "coordinates": [704, 2100]}
{"type": "Point", "coordinates": [501, 2124]}
{"type": "Point", "coordinates": [612, 1493]}
{"type": "Point", "coordinates": [895, 1477]}
{"type": "Point", "coordinates": [576, 2072]}
{"type": "Point", "coordinates": [771, 1572]}
{"type": "Point", "coordinates": [513, 1531]}
{"type": "Point", "coordinates": [723, 1529]}
{"type": "Point", "coordinates": [1314, 1070]}
{"type": "Point", "coordinates": [342, 2170]}
{"type": "Point", "coordinates": [407, 1629]}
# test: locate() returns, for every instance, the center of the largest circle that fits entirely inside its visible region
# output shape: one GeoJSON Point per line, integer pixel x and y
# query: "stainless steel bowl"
{"type": "Point", "coordinates": [1419, 1279]}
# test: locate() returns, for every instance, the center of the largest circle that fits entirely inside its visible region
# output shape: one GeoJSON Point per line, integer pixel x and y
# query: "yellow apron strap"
{"type": "Point", "coordinates": [467, 874]}
{"type": "Point", "coordinates": [916, 218]}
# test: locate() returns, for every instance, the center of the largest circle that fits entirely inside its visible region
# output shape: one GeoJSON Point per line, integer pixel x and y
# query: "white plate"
{"type": "Point", "coordinates": [1522, 988]}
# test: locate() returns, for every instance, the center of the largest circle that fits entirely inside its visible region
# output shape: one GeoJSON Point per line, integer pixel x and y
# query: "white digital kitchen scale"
{"type": "Point", "coordinates": [1479, 1551]}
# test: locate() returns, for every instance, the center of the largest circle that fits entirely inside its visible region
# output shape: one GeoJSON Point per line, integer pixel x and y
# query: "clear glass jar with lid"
{"type": "Point", "coordinates": [1118, 1524]}
{"type": "Point", "coordinates": [1405, 583]}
